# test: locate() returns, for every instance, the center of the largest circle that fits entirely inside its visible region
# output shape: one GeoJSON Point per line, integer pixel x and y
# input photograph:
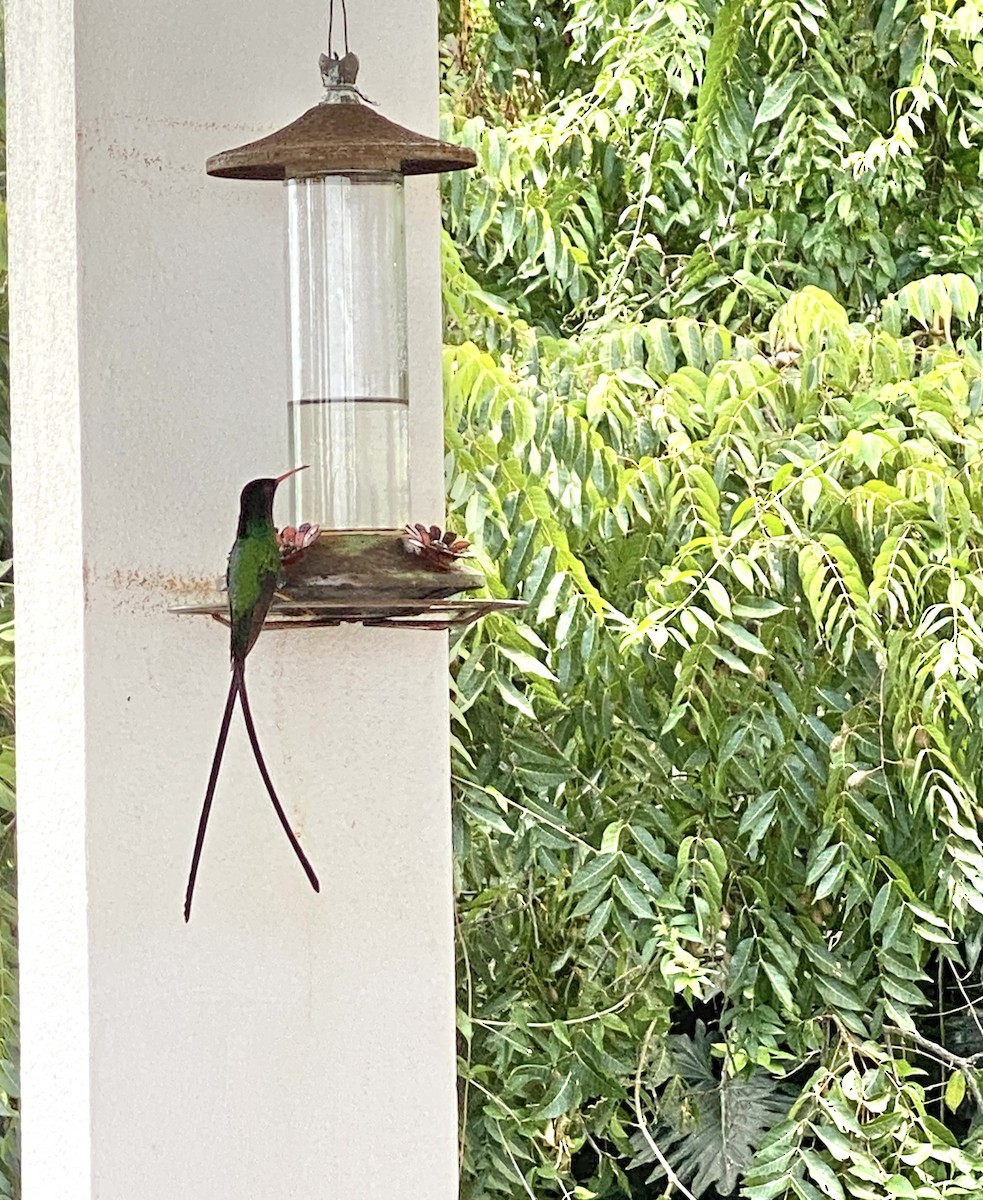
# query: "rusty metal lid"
{"type": "Point", "coordinates": [342, 134]}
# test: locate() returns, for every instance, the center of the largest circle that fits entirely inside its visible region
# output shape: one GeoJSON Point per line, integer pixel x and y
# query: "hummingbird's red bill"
{"type": "Point", "coordinates": [292, 471]}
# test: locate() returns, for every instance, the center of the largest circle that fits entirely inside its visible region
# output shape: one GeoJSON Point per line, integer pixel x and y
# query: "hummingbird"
{"type": "Point", "coordinates": [253, 574]}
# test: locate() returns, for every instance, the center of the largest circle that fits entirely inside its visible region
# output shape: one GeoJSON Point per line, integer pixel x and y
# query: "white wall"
{"type": "Point", "coordinates": [284, 1044]}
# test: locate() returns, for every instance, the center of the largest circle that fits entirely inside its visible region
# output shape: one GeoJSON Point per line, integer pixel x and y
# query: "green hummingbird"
{"type": "Point", "coordinates": [253, 573]}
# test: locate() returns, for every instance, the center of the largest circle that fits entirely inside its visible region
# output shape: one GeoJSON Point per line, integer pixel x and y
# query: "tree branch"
{"type": "Point", "coordinates": [946, 1057]}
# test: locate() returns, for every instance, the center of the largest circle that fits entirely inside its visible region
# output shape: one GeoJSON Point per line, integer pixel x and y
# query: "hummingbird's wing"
{"type": "Point", "coordinates": [254, 566]}
{"type": "Point", "coordinates": [257, 615]}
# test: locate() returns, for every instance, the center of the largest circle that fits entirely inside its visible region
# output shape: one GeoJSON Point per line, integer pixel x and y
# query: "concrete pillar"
{"type": "Point", "coordinates": [284, 1044]}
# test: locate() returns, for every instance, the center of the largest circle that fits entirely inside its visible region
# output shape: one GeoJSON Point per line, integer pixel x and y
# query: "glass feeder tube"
{"type": "Point", "coordinates": [348, 400]}
{"type": "Point", "coordinates": [344, 163]}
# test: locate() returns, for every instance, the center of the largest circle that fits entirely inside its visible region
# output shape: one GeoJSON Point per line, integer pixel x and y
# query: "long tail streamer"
{"type": "Point", "coordinates": [206, 808]}
{"type": "Point", "coordinates": [258, 754]}
{"type": "Point", "coordinates": [237, 687]}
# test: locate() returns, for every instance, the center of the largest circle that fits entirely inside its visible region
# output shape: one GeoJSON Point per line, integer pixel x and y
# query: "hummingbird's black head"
{"type": "Point", "coordinates": [256, 501]}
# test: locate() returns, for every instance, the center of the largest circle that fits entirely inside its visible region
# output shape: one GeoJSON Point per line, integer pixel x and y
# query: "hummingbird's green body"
{"type": "Point", "coordinates": [254, 568]}
{"type": "Point", "coordinates": [252, 576]}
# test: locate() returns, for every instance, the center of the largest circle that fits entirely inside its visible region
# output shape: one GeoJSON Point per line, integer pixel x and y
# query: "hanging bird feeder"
{"type": "Point", "coordinates": [350, 551]}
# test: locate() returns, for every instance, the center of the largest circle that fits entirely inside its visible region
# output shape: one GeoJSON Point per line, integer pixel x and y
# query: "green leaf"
{"type": "Point", "coordinates": [823, 1175]}
{"type": "Point", "coordinates": [560, 1098]}
{"type": "Point", "coordinates": [897, 1185]}
{"type": "Point", "coordinates": [776, 99]}
{"type": "Point", "coordinates": [743, 637]}
{"type": "Point", "coordinates": [718, 596]}
{"type": "Point", "coordinates": [834, 1141]}
{"type": "Point", "coordinates": [598, 919]}
{"type": "Point", "coordinates": [514, 698]}
{"type": "Point", "coordinates": [955, 1090]}
{"type": "Point", "coordinates": [597, 869]}
{"type": "Point", "coordinates": [878, 910]}
{"type": "Point", "coordinates": [632, 898]}
{"type": "Point", "coordinates": [838, 994]}
{"type": "Point", "coordinates": [611, 837]}
{"type": "Point", "coordinates": [528, 663]}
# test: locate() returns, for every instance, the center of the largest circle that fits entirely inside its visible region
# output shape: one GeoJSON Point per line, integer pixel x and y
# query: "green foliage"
{"type": "Point", "coordinates": [714, 379]}
{"type": "Point", "coordinates": [728, 758]}
{"type": "Point", "coordinates": [648, 159]}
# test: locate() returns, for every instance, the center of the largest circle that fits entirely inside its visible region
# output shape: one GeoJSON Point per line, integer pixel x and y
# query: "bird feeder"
{"type": "Point", "coordinates": [343, 165]}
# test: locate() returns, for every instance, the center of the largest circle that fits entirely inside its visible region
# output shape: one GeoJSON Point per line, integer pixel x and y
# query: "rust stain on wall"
{"type": "Point", "coordinates": [136, 590]}
{"type": "Point", "coordinates": [168, 584]}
